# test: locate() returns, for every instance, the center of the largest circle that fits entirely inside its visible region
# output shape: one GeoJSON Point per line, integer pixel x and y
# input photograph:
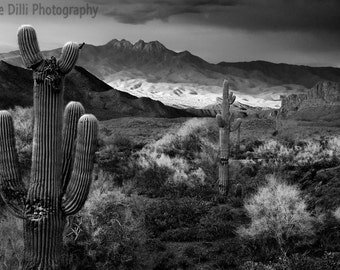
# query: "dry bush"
{"type": "Point", "coordinates": [277, 211]}
{"type": "Point", "coordinates": [23, 122]}
{"type": "Point", "coordinates": [188, 153]}
{"type": "Point", "coordinates": [23, 125]}
{"type": "Point", "coordinates": [11, 242]}
{"type": "Point", "coordinates": [336, 214]}
{"type": "Point", "coordinates": [278, 154]}
{"type": "Point", "coordinates": [109, 231]}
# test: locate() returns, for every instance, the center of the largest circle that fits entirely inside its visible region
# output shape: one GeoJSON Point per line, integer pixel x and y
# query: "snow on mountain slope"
{"type": "Point", "coordinates": [192, 95]}
{"type": "Point", "coordinates": [149, 69]}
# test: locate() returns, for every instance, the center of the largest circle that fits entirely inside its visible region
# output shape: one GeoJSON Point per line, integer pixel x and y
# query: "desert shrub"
{"type": "Point", "coordinates": [250, 169]}
{"type": "Point", "coordinates": [322, 187]}
{"type": "Point", "coordinates": [297, 261]}
{"type": "Point", "coordinates": [250, 265]}
{"type": "Point", "coordinates": [263, 249]}
{"type": "Point", "coordinates": [11, 242]}
{"type": "Point", "coordinates": [184, 146]}
{"type": "Point", "coordinates": [337, 214]}
{"type": "Point", "coordinates": [181, 190]}
{"type": "Point", "coordinates": [118, 162]}
{"type": "Point", "coordinates": [277, 211]}
{"type": "Point", "coordinates": [312, 153]}
{"type": "Point", "coordinates": [189, 157]}
{"type": "Point", "coordinates": [23, 125]}
{"type": "Point", "coordinates": [110, 232]}
{"type": "Point", "coordinates": [122, 142]}
{"type": "Point", "coordinates": [156, 182]}
{"type": "Point", "coordinates": [327, 236]}
{"type": "Point", "coordinates": [168, 260]}
{"type": "Point", "coordinates": [220, 222]}
{"type": "Point", "coordinates": [208, 162]}
{"type": "Point", "coordinates": [170, 215]}
{"type": "Point", "coordinates": [302, 262]}
{"type": "Point", "coordinates": [227, 254]}
{"type": "Point", "coordinates": [219, 254]}
{"type": "Point", "coordinates": [150, 181]}
{"type": "Point", "coordinates": [251, 145]}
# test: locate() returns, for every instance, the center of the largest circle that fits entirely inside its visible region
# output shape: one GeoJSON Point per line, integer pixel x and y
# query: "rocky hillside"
{"type": "Point", "coordinates": [183, 80]}
{"type": "Point", "coordinates": [105, 102]}
{"type": "Point", "coordinates": [321, 102]}
{"type": "Point", "coordinates": [323, 93]}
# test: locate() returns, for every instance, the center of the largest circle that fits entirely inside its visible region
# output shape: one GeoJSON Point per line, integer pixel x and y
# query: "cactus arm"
{"type": "Point", "coordinates": [29, 47]}
{"type": "Point", "coordinates": [73, 111]}
{"type": "Point", "coordinates": [231, 118]}
{"type": "Point", "coordinates": [220, 122]}
{"type": "Point", "coordinates": [81, 45]}
{"type": "Point", "coordinates": [236, 125]}
{"type": "Point", "coordinates": [232, 98]}
{"type": "Point", "coordinates": [225, 102]}
{"type": "Point", "coordinates": [69, 56]}
{"type": "Point", "coordinates": [79, 185]}
{"type": "Point", "coordinates": [45, 208]}
{"type": "Point", "coordinates": [12, 188]}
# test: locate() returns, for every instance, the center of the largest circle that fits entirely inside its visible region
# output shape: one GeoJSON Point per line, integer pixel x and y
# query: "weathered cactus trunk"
{"type": "Point", "coordinates": [238, 142]}
{"type": "Point", "coordinates": [55, 190]}
{"type": "Point", "coordinates": [224, 122]}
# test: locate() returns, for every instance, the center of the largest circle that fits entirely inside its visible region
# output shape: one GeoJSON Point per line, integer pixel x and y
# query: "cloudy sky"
{"type": "Point", "coordinates": [290, 31]}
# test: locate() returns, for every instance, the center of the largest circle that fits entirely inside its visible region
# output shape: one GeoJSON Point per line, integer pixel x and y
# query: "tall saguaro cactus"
{"type": "Point", "coordinates": [59, 183]}
{"type": "Point", "coordinates": [227, 124]}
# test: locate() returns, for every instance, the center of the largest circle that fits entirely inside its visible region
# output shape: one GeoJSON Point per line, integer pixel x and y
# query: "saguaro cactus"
{"type": "Point", "coordinates": [238, 142]}
{"type": "Point", "coordinates": [227, 124]}
{"type": "Point", "coordinates": [59, 183]}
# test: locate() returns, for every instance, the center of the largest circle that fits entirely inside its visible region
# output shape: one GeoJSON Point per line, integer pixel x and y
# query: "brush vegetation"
{"type": "Point", "coordinates": [154, 202]}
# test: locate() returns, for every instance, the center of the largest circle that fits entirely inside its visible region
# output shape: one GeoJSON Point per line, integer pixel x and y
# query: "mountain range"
{"type": "Point", "coordinates": [105, 102]}
{"type": "Point", "coordinates": [183, 80]}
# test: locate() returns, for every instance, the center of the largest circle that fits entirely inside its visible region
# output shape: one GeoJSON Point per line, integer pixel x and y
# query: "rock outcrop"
{"type": "Point", "coordinates": [323, 93]}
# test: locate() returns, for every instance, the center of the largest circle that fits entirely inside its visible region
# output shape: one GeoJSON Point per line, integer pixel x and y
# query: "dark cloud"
{"type": "Point", "coordinates": [290, 15]}
{"type": "Point", "coordinates": [142, 11]}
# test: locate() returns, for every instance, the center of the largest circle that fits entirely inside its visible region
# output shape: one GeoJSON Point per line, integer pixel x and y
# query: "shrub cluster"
{"type": "Point", "coordinates": [282, 154]}
{"type": "Point", "coordinates": [109, 231]}
{"type": "Point", "coordinates": [23, 125]}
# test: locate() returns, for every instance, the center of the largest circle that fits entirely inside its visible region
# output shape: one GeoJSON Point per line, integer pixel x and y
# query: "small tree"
{"type": "Point", "coordinates": [277, 210]}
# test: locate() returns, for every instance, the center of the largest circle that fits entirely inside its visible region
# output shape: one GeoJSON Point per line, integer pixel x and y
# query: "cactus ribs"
{"type": "Point", "coordinates": [60, 177]}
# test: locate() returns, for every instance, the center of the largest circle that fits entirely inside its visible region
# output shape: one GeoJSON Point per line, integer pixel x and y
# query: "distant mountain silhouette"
{"type": "Point", "coordinates": [16, 86]}
{"type": "Point", "coordinates": [183, 80]}
{"type": "Point", "coordinates": [288, 74]}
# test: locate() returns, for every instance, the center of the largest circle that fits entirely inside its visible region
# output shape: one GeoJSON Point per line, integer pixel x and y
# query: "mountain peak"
{"type": "Point", "coordinates": [122, 44]}
{"type": "Point", "coordinates": [139, 45]}
{"type": "Point", "coordinates": [155, 46]}
{"type": "Point", "coordinates": [149, 47]}
{"type": "Point", "coordinates": [152, 47]}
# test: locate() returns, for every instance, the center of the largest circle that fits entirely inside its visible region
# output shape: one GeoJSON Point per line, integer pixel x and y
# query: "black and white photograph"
{"type": "Point", "coordinates": [170, 135]}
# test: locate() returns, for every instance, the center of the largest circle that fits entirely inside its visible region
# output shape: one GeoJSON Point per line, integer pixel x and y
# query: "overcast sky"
{"type": "Point", "coordinates": [290, 31]}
